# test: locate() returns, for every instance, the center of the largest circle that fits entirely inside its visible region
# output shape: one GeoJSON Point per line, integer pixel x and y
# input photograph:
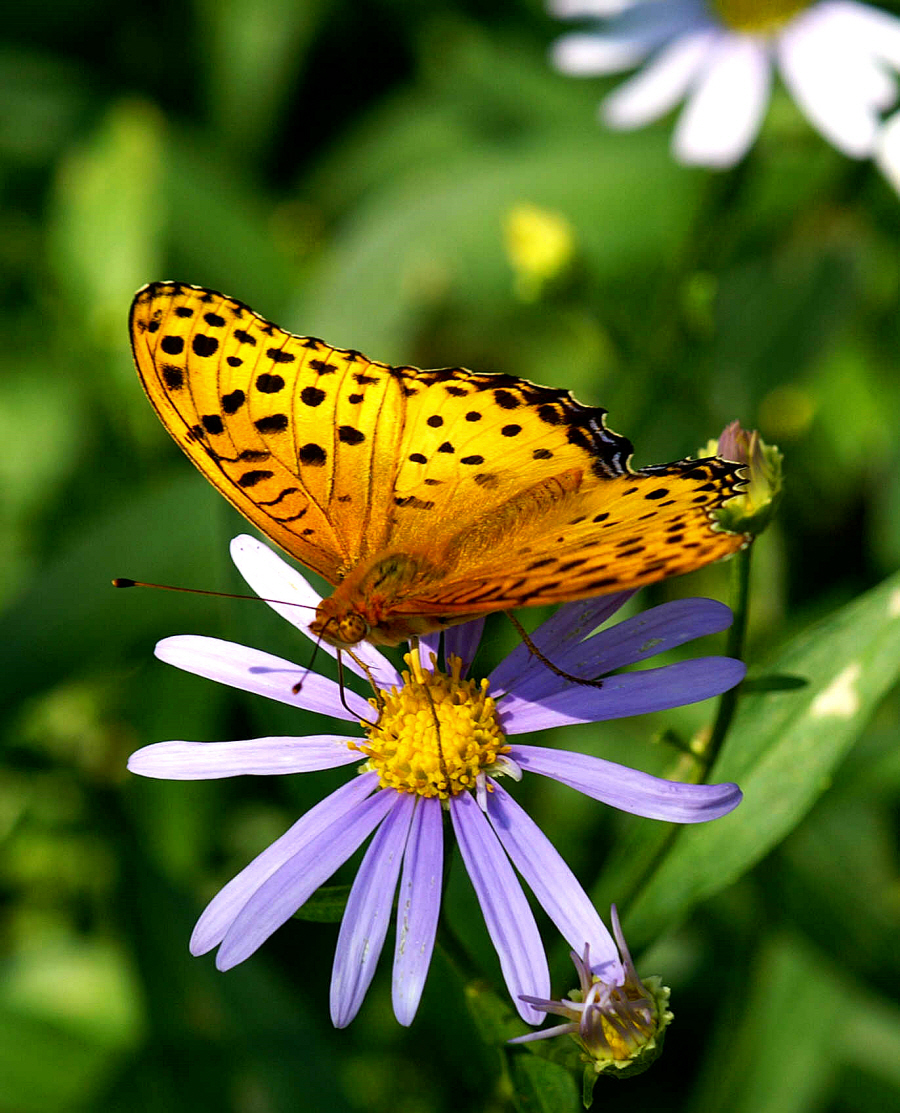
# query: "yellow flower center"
{"type": "Point", "coordinates": [760, 17]}
{"type": "Point", "coordinates": [435, 734]}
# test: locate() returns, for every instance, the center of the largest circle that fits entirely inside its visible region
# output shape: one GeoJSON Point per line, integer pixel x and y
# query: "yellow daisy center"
{"type": "Point", "coordinates": [435, 734]}
{"type": "Point", "coordinates": [760, 17]}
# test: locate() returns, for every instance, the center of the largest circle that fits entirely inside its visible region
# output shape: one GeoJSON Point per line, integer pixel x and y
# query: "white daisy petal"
{"type": "Point", "coordinates": [887, 152]}
{"type": "Point", "coordinates": [661, 84]}
{"type": "Point", "coordinates": [572, 9]}
{"type": "Point", "coordinates": [834, 81]}
{"type": "Point", "coordinates": [583, 54]}
{"type": "Point", "coordinates": [873, 30]}
{"type": "Point", "coordinates": [723, 115]}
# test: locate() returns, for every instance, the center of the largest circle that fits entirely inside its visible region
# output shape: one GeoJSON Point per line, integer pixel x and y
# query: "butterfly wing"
{"type": "Point", "coordinates": [508, 493]}
{"type": "Point", "coordinates": [539, 499]}
{"type": "Point", "coordinates": [617, 534]}
{"type": "Point", "coordinates": [299, 436]}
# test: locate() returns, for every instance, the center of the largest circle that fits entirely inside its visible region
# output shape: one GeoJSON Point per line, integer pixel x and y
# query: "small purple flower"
{"type": "Point", "coordinates": [618, 1025]}
{"type": "Point", "coordinates": [439, 743]}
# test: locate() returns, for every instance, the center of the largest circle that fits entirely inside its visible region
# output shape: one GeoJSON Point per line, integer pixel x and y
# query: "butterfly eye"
{"type": "Point", "coordinates": [352, 628]}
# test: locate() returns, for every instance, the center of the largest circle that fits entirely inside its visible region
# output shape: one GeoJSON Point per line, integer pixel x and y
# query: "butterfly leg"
{"type": "Point", "coordinates": [535, 652]}
{"type": "Point", "coordinates": [414, 655]}
{"type": "Point", "coordinates": [365, 668]}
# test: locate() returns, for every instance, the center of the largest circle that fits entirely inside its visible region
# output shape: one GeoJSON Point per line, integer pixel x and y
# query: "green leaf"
{"type": "Point", "coordinates": [108, 210]}
{"type": "Point", "coordinates": [442, 228]}
{"type": "Point", "coordinates": [782, 750]}
{"type": "Point", "coordinates": [254, 50]}
{"type": "Point", "coordinates": [777, 1054]}
{"type": "Point", "coordinates": [540, 1086]}
{"type": "Point", "coordinates": [325, 906]}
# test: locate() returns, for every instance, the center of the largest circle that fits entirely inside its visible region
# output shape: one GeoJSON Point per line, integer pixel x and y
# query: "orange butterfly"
{"type": "Point", "coordinates": [425, 497]}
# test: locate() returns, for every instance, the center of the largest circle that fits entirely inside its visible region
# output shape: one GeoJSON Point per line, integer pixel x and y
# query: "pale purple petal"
{"type": "Point", "coordinates": [628, 693]}
{"type": "Point", "coordinates": [566, 628]}
{"type": "Point", "coordinates": [635, 639]}
{"type": "Point", "coordinates": [661, 84]}
{"type": "Point", "coordinates": [293, 883]}
{"type": "Point", "coordinates": [553, 883]}
{"type": "Point", "coordinates": [723, 114]}
{"type": "Point", "coordinates": [462, 641]}
{"type": "Point", "coordinates": [198, 761]}
{"type": "Point", "coordinates": [368, 912]}
{"type": "Point", "coordinates": [418, 906]}
{"type": "Point", "coordinates": [508, 917]}
{"type": "Point", "coordinates": [548, 1033]}
{"type": "Point", "coordinates": [428, 644]}
{"type": "Point", "coordinates": [228, 902]}
{"type": "Point", "coordinates": [288, 594]}
{"type": "Point", "coordinates": [827, 60]}
{"type": "Point", "coordinates": [628, 789]}
{"type": "Point", "coordinates": [260, 673]}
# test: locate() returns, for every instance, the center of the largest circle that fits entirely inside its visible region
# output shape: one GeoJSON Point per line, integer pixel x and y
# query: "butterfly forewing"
{"type": "Point", "coordinates": [285, 426]}
{"type": "Point", "coordinates": [473, 443]}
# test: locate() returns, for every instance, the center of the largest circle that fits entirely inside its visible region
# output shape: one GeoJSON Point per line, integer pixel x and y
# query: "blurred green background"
{"type": "Point", "coordinates": [349, 167]}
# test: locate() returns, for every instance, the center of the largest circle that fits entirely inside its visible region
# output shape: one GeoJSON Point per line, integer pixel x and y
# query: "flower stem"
{"type": "Point", "coordinates": [737, 634]}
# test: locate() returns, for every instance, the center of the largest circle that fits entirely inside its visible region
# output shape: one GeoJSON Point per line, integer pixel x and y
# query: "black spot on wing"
{"type": "Point", "coordinates": [269, 384]}
{"type": "Point", "coordinates": [272, 423]}
{"type": "Point", "coordinates": [312, 455]}
{"type": "Point", "coordinates": [312, 396]}
{"type": "Point", "coordinates": [204, 345]}
{"type": "Point", "coordinates": [279, 355]}
{"type": "Point", "coordinates": [232, 402]}
{"type": "Point", "coordinates": [173, 376]}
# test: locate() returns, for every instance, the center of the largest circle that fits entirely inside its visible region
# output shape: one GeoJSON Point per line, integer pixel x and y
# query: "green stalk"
{"type": "Point", "coordinates": [737, 635]}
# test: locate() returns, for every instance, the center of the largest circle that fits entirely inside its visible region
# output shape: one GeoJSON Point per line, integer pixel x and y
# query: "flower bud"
{"type": "Point", "coordinates": [752, 510]}
{"type": "Point", "coordinates": [618, 1024]}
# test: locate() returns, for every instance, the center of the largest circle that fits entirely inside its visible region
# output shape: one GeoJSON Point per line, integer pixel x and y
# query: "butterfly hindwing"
{"type": "Point", "coordinates": [615, 534]}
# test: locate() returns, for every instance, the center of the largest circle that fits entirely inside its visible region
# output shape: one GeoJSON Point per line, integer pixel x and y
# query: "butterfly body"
{"type": "Point", "coordinates": [424, 497]}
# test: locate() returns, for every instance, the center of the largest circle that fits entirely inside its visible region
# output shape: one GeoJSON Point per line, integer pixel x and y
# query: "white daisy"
{"type": "Point", "coordinates": [836, 57]}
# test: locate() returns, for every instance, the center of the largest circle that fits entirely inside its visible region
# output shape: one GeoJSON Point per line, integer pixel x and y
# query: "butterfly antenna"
{"type": "Point", "coordinates": [122, 581]}
{"type": "Point", "coordinates": [535, 652]}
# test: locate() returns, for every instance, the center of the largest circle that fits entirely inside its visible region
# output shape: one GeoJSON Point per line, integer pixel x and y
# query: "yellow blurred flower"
{"type": "Point", "coordinates": [540, 245]}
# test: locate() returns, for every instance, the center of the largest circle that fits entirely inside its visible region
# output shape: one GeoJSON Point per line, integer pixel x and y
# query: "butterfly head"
{"type": "Point", "coordinates": [341, 629]}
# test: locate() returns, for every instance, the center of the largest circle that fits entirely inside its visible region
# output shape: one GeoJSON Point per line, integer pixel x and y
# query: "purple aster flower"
{"type": "Point", "coordinates": [438, 743]}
